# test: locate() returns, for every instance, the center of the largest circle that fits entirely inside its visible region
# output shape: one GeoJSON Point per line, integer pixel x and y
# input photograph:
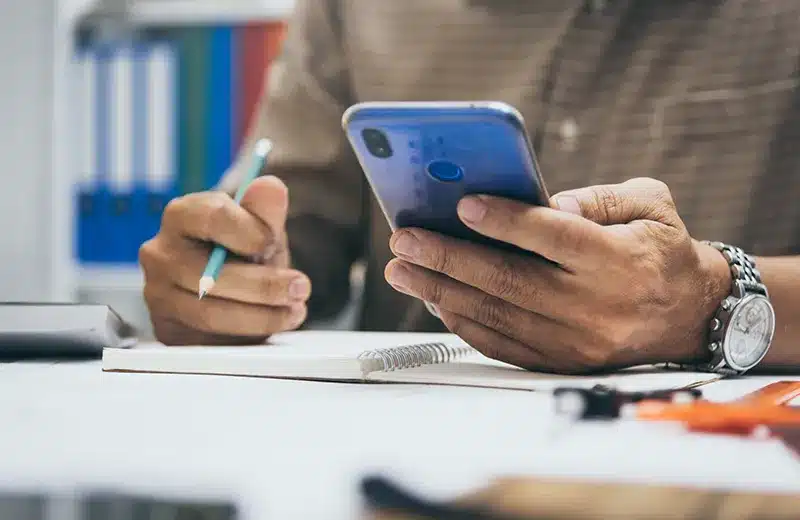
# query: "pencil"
{"type": "Point", "coordinates": [218, 255]}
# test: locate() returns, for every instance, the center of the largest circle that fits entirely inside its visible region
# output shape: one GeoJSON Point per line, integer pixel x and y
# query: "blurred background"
{"type": "Point", "coordinates": [111, 108]}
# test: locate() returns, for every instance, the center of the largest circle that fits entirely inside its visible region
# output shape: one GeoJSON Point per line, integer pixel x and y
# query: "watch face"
{"type": "Point", "coordinates": [749, 332]}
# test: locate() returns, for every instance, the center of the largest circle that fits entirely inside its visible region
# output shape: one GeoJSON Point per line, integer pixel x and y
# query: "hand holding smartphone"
{"type": "Point", "coordinates": [422, 158]}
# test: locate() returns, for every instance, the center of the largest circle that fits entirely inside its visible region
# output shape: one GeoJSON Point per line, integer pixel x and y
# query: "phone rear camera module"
{"type": "Point", "coordinates": [377, 143]}
{"type": "Point", "coordinates": [445, 171]}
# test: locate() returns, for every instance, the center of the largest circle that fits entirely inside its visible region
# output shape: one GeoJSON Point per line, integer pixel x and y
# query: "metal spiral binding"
{"type": "Point", "coordinates": [409, 356]}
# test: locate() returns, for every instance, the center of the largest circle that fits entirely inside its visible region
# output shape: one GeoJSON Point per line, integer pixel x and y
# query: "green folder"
{"type": "Point", "coordinates": [194, 44]}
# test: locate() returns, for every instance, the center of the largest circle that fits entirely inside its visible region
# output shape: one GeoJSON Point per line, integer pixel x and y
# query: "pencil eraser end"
{"type": "Point", "coordinates": [263, 146]}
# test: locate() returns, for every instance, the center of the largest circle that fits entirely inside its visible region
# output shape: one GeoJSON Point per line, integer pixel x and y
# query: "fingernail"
{"type": "Point", "coordinates": [406, 245]}
{"type": "Point", "coordinates": [299, 289]}
{"type": "Point", "coordinates": [269, 252]}
{"type": "Point", "coordinates": [569, 204]}
{"type": "Point", "coordinates": [398, 277]}
{"type": "Point", "coordinates": [299, 313]}
{"type": "Point", "coordinates": [472, 209]}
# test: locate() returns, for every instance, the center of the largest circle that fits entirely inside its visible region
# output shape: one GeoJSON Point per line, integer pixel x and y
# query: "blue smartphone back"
{"type": "Point", "coordinates": [421, 158]}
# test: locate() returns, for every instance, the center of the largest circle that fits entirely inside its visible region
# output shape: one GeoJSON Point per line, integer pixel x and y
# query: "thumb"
{"type": "Point", "coordinates": [267, 198]}
{"type": "Point", "coordinates": [609, 204]}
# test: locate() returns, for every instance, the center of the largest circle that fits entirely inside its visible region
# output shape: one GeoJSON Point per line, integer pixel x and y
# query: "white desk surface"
{"type": "Point", "coordinates": [290, 449]}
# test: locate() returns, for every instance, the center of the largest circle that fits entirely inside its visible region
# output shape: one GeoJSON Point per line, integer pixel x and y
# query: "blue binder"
{"type": "Point", "coordinates": [141, 149]}
{"type": "Point", "coordinates": [159, 183]}
{"type": "Point", "coordinates": [120, 180]}
{"type": "Point", "coordinates": [93, 201]}
{"type": "Point", "coordinates": [219, 106]}
{"type": "Point", "coordinates": [86, 164]}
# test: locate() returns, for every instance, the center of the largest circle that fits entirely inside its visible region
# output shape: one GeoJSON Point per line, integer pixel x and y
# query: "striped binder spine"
{"type": "Point", "coordinates": [193, 45]}
{"type": "Point", "coordinates": [252, 64]}
{"type": "Point", "coordinates": [89, 159]}
{"type": "Point", "coordinates": [126, 133]}
{"type": "Point", "coordinates": [161, 139]}
{"type": "Point", "coordinates": [120, 181]}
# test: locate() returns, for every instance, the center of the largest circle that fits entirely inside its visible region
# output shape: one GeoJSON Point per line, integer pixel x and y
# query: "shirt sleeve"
{"type": "Point", "coordinates": [307, 91]}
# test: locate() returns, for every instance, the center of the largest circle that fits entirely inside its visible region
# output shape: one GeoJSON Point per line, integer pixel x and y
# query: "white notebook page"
{"type": "Point", "coordinates": [333, 356]}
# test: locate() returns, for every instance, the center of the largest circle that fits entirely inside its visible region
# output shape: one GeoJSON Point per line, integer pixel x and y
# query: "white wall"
{"type": "Point", "coordinates": [26, 158]}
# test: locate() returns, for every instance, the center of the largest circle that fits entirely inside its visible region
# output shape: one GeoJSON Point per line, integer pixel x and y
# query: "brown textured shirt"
{"type": "Point", "coordinates": [701, 94]}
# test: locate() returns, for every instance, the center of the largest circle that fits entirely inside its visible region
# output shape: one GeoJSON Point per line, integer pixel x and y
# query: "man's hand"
{"type": "Point", "coordinates": [257, 293]}
{"type": "Point", "coordinates": [625, 284]}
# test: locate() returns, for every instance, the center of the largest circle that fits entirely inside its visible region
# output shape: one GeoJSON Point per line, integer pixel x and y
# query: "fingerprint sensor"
{"type": "Point", "coordinates": [445, 171]}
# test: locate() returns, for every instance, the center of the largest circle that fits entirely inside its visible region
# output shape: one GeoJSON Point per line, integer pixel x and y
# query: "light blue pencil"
{"type": "Point", "coordinates": [217, 258]}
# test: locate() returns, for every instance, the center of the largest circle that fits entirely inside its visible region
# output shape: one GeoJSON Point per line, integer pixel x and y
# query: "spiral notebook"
{"type": "Point", "coordinates": [374, 357]}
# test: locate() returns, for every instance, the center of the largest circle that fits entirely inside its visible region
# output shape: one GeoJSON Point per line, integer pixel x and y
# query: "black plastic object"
{"type": "Point", "coordinates": [383, 495]}
{"type": "Point", "coordinates": [602, 402]}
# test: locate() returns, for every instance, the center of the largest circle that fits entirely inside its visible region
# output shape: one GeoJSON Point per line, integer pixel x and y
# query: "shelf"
{"type": "Point", "coordinates": [159, 13]}
{"type": "Point", "coordinates": [71, 10]}
{"type": "Point", "coordinates": [172, 12]}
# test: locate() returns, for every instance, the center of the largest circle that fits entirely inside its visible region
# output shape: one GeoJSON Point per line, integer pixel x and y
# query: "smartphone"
{"type": "Point", "coordinates": [421, 158]}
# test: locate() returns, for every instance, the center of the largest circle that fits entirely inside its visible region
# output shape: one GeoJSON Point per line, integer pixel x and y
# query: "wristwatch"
{"type": "Point", "coordinates": [742, 329]}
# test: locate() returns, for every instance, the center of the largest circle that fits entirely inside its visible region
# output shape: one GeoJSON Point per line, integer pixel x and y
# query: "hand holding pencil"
{"type": "Point", "coordinates": [248, 300]}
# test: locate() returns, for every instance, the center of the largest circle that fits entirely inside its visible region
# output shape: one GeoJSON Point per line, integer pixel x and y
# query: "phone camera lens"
{"type": "Point", "coordinates": [377, 143]}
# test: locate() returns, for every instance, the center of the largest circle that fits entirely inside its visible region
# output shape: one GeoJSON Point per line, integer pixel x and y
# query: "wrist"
{"type": "Point", "coordinates": [713, 285]}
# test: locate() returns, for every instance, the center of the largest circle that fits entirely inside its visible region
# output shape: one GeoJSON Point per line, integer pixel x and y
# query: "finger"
{"type": "Point", "coordinates": [181, 262]}
{"type": "Point", "coordinates": [493, 344]}
{"type": "Point", "coordinates": [636, 199]}
{"type": "Point", "coordinates": [502, 274]}
{"type": "Point", "coordinates": [214, 217]}
{"type": "Point", "coordinates": [556, 235]}
{"type": "Point", "coordinates": [548, 337]}
{"type": "Point", "coordinates": [268, 199]}
{"type": "Point", "coordinates": [171, 332]}
{"type": "Point", "coordinates": [224, 317]}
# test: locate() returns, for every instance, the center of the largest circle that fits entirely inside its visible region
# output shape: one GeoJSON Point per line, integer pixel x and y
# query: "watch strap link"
{"type": "Point", "coordinates": [745, 278]}
{"type": "Point", "coordinates": [743, 268]}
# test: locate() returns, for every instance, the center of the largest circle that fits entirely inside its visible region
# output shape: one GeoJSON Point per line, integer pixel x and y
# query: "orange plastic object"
{"type": "Point", "coordinates": [764, 407]}
{"type": "Point", "coordinates": [704, 411]}
{"type": "Point", "coordinates": [778, 393]}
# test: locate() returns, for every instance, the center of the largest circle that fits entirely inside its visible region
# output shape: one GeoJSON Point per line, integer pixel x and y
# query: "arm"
{"type": "Point", "coordinates": [781, 275]}
{"type": "Point", "coordinates": [300, 111]}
